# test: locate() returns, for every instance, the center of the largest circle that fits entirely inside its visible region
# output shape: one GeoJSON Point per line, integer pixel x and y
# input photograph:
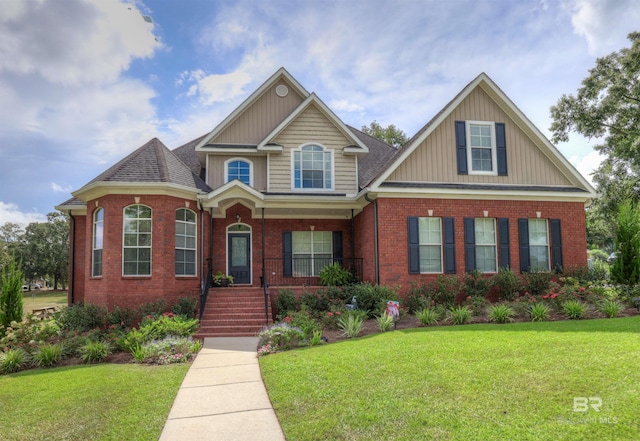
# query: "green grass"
{"type": "Point", "coordinates": [39, 299]}
{"type": "Point", "coordinates": [475, 382]}
{"type": "Point", "coordinates": [101, 402]}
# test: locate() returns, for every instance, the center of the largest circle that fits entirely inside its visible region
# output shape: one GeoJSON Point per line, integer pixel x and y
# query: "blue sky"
{"type": "Point", "coordinates": [84, 82]}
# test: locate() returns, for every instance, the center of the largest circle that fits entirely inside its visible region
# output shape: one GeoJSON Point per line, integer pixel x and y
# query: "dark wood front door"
{"type": "Point", "coordinates": [239, 255]}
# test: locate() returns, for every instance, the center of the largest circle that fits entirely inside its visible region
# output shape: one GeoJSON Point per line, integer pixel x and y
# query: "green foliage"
{"type": "Point", "coordinates": [124, 318]}
{"type": "Point", "coordinates": [168, 350]}
{"type": "Point", "coordinates": [390, 134]}
{"type": "Point", "coordinates": [385, 322]}
{"type": "Point", "coordinates": [11, 293]}
{"type": "Point", "coordinates": [82, 317]}
{"type": "Point", "coordinates": [351, 325]}
{"type": "Point", "coordinates": [13, 360]}
{"type": "Point", "coordinates": [316, 338]}
{"type": "Point", "coordinates": [446, 290]}
{"type": "Point", "coordinates": [316, 302]}
{"type": "Point", "coordinates": [536, 283]}
{"type": "Point", "coordinates": [48, 354]}
{"type": "Point", "coordinates": [153, 309]}
{"type": "Point", "coordinates": [610, 307]}
{"type": "Point", "coordinates": [626, 268]}
{"type": "Point", "coordinates": [185, 306]}
{"type": "Point", "coordinates": [285, 302]}
{"type": "Point", "coordinates": [500, 313]}
{"type": "Point", "coordinates": [27, 332]}
{"type": "Point", "coordinates": [372, 298]}
{"type": "Point", "coordinates": [159, 328]}
{"type": "Point", "coordinates": [138, 353]}
{"type": "Point", "coordinates": [507, 283]}
{"type": "Point", "coordinates": [304, 321]}
{"type": "Point", "coordinates": [94, 351]}
{"type": "Point", "coordinates": [574, 309]}
{"type": "Point", "coordinates": [428, 316]}
{"type": "Point", "coordinates": [585, 274]}
{"type": "Point", "coordinates": [419, 297]}
{"type": "Point", "coordinates": [335, 275]}
{"type": "Point", "coordinates": [459, 315]}
{"type": "Point", "coordinates": [539, 312]}
{"type": "Point", "coordinates": [281, 335]}
{"type": "Point", "coordinates": [476, 284]}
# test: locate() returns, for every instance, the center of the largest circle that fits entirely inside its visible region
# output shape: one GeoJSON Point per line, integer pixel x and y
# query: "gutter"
{"type": "Point", "coordinates": [375, 236]}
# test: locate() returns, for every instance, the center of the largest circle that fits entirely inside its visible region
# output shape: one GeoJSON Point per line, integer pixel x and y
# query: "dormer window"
{"type": "Point", "coordinates": [239, 169]}
{"type": "Point", "coordinates": [312, 168]}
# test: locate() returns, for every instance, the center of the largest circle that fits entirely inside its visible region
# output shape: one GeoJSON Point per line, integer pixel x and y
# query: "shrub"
{"type": "Point", "coordinates": [94, 351]}
{"type": "Point", "coordinates": [610, 307]}
{"type": "Point", "coordinates": [420, 296]}
{"type": "Point", "coordinates": [539, 312]}
{"type": "Point", "coordinates": [428, 316]}
{"type": "Point", "coordinates": [123, 317]}
{"type": "Point", "coordinates": [27, 333]}
{"type": "Point", "coordinates": [446, 290]}
{"type": "Point", "coordinates": [385, 322]}
{"type": "Point", "coordinates": [459, 315]}
{"type": "Point", "coordinates": [48, 355]}
{"type": "Point", "coordinates": [500, 313]}
{"type": "Point", "coordinates": [537, 283]}
{"type": "Point", "coordinates": [316, 339]}
{"type": "Point", "coordinates": [574, 309]}
{"type": "Point", "coordinates": [335, 275]}
{"type": "Point", "coordinates": [13, 360]}
{"type": "Point", "coordinates": [476, 284]}
{"type": "Point", "coordinates": [153, 309]}
{"type": "Point", "coordinates": [82, 317]}
{"type": "Point", "coordinates": [316, 302]}
{"type": "Point", "coordinates": [168, 350]}
{"type": "Point", "coordinates": [281, 335]}
{"type": "Point", "coordinates": [303, 321]}
{"type": "Point", "coordinates": [185, 306]}
{"type": "Point", "coordinates": [585, 274]}
{"type": "Point", "coordinates": [476, 304]}
{"type": "Point", "coordinates": [285, 302]}
{"type": "Point", "coordinates": [626, 267]}
{"type": "Point", "coordinates": [11, 293]}
{"type": "Point", "coordinates": [507, 283]}
{"type": "Point", "coordinates": [373, 298]}
{"type": "Point", "coordinates": [351, 325]}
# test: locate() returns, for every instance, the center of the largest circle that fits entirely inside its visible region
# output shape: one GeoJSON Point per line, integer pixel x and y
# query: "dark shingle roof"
{"type": "Point", "coordinates": [374, 162]}
{"type": "Point", "coordinates": [153, 162]}
{"type": "Point", "coordinates": [187, 154]}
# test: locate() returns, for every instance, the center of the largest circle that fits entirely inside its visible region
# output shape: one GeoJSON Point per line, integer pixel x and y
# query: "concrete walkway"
{"type": "Point", "coordinates": [223, 397]}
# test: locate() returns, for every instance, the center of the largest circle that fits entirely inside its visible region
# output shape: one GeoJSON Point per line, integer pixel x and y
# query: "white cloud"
{"type": "Point", "coordinates": [587, 164]}
{"type": "Point", "coordinates": [216, 88]}
{"type": "Point", "coordinates": [11, 213]}
{"type": "Point", "coordinates": [57, 188]}
{"type": "Point", "coordinates": [344, 105]}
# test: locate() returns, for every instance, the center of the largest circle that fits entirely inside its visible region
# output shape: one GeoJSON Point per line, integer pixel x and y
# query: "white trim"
{"type": "Point", "coordinates": [250, 257]}
{"type": "Point", "coordinates": [150, 246]}
{"type": "Point", "coordinates": [175, 221]}
{"type": "Point", "coordinates": [325, 150]}
{"type": "Point", "coordinates": [441, 245]}
{"type": "Point", "coordinates": [494, 155]}
{"type": "Point", "coordinates": [238, 158]}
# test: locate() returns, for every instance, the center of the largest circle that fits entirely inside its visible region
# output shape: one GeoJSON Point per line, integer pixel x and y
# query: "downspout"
{"type": "Point", "coordinates": [72, 259]}
{"type": "Point", "coordinates": [375, 236]}
{"type": "Point", "coordinates": [202, 274]}
{"type": "Point", "coordinates": [264, 278]}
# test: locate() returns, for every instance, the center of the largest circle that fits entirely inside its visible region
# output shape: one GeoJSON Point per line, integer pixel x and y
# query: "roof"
{"type": "Point", "coordinates": [372, 164]}
{"type": "Point", "coordinates": [186, 153]}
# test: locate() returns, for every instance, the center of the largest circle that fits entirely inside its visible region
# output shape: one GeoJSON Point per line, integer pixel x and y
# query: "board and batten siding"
{"type": "Point", "coordinates": [215, 173]}
{"type": "Point", "coordinates": [261, 117]}
{"type": "Point", "coordinates": [312, 126]}
{"type": "Point", "coordinates": [435, 158]}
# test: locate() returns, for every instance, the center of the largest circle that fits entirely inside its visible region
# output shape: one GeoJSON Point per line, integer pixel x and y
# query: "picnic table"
{"type": "Point", "coordinates": [44, 312]}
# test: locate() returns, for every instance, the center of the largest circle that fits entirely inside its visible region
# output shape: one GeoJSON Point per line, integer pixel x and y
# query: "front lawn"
{"type": "Point", "coordinates": [524, 381]}
{"type": "Point", "coordinates": [101, 402]}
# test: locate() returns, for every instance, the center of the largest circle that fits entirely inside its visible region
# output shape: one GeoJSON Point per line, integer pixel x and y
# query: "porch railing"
{"type": "Point", "coordinates": [304, 271]}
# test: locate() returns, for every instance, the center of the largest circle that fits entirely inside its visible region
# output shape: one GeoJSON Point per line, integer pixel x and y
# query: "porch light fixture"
{"type": "Point", "coordinates": [238, 218]}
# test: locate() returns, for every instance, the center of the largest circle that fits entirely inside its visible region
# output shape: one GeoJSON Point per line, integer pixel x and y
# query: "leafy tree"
{"type": "Point", "coordinates": [46, 249]}
{"type": "Point", "coordinates": [11, 293]}
{"type": "Point", "coordinates": [626, 268]}
{"type": "Point", "coordinates": [607, 108]}
{"type": "Point", "coordinates": [12, 236]}
{"type": "Point", "coordinates": [390, 134]}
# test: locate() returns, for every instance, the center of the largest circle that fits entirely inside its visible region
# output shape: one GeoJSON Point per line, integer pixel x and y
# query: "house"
{"type": "Point", "coordinates": [282, 187]}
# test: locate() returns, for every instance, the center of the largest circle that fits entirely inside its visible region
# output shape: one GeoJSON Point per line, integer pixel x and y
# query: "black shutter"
{"type": "Point", "coordinates": [461, 148]}
{"type": "Point", "coordinates": [337, 246]}
{"type": "Point", "coordinates": [449, 246]}
{"type": "Point", "coordinates": [287, 254]}
{"type": "Point", "coordinates": [414, 245]}
{"type": "Point", "coordinates": [556, 245]}
{"type": "Point", "coordinates": [504, 260]}
{"type": "Point", "coordinates": [523, 233]}
{"type": "Point", "coordinates": [469, 244]}
{"type": "Point", "coordinates": [501, 149]}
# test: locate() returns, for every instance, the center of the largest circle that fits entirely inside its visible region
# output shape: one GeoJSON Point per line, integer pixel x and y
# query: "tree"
{"type": "Point", "coordinates": [607, 107]}
{"type": "Point", "coordinates": [11, 293]}
{"type": "Point", "coordinates": [626, 268]}
{"type": "Point", "coordinates": [390, 134]}
{"type": "Point", "coordinates": [46, 249]}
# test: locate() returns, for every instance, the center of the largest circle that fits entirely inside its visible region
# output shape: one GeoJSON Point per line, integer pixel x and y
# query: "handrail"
{"type": "Point", "coordinates": [304, 270]}
{"type": "Point", "coordinates": [205, 287]}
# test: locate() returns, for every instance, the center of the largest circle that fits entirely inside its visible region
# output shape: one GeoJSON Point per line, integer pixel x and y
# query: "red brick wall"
{"type": "Point", "coordinates": [393, 214]}
{"type": "Point", "coordinates": [79, 269]}
{"type": "Point", "coordinates": [364, 242]}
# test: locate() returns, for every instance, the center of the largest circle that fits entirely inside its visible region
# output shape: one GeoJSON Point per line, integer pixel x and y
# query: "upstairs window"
{"type": "Point", "coordinates": [312, 168]}
{"type": "Point", "coordinates": [185, 242]}
{"type": "Point", "coordinates": [98, 235]}
{"type": "Point", "coordinates": [239, 169]}
{"type": "Point", "coordinates": [482, 147]}
{"type": "Point", "coordinates": [136, 244]}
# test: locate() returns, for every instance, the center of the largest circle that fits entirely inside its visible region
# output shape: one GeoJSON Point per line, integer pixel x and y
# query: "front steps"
{"type": "Point", "coordinates": [233, 312]}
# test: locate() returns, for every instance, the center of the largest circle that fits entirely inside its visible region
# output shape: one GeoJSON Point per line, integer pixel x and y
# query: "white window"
{"type": "Point", "coordinates": [98, 236]}
{"type": "Point", "coordinates": [313, 168]}
{"type": "Point", "coordinates": [136, 244]}
{"type": "Point", "coordinates": [481, 151]}
{"type": "Point", "coordinates": [312, 251]}
{"type": "Point", "coordinates": [185, 242]}
{"type": "Point", "coordinates": [430, 239]}
{"type": "Point", "coordinates": [486, 256]}
{"type": "Point", "coordinates": [538, 245]}
{"type": "Point", "coordinates": [238, 169]}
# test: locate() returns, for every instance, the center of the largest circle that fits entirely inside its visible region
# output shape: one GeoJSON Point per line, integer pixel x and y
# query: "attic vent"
{"type": "Point", "coordinates": [282, 90]}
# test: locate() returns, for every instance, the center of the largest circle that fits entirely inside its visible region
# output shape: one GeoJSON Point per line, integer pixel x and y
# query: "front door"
{"type": "Point", "coordinates": [240, 257]}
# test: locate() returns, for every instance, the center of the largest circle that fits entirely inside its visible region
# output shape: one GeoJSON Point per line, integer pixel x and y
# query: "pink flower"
{"type": "Point", "coordinates": [329, 314]}
{"type": "Point", "coordinates": [582, 289]}
{"type": "Point", "coordinates": [338, 312]}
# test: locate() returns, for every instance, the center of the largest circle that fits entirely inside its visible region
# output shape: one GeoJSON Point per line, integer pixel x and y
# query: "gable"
{"type": "Point", "coordinates": [434, 159]}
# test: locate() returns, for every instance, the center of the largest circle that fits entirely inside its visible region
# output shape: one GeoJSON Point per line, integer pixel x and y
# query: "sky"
{"type": "Point", "coordinates": [85, 82]}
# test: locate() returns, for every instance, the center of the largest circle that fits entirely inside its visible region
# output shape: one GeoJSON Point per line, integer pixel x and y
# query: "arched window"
{"type": "Point", "coordinates": [239, 169]}
{"type": "Point", "coordinates": [136, 244]}
{"type": "Point", "coordinates": [98, 234]}
{"type": "Point", "coordinates": [186, 242]}
{"type": "Point", "coordinates": [312, 168]}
